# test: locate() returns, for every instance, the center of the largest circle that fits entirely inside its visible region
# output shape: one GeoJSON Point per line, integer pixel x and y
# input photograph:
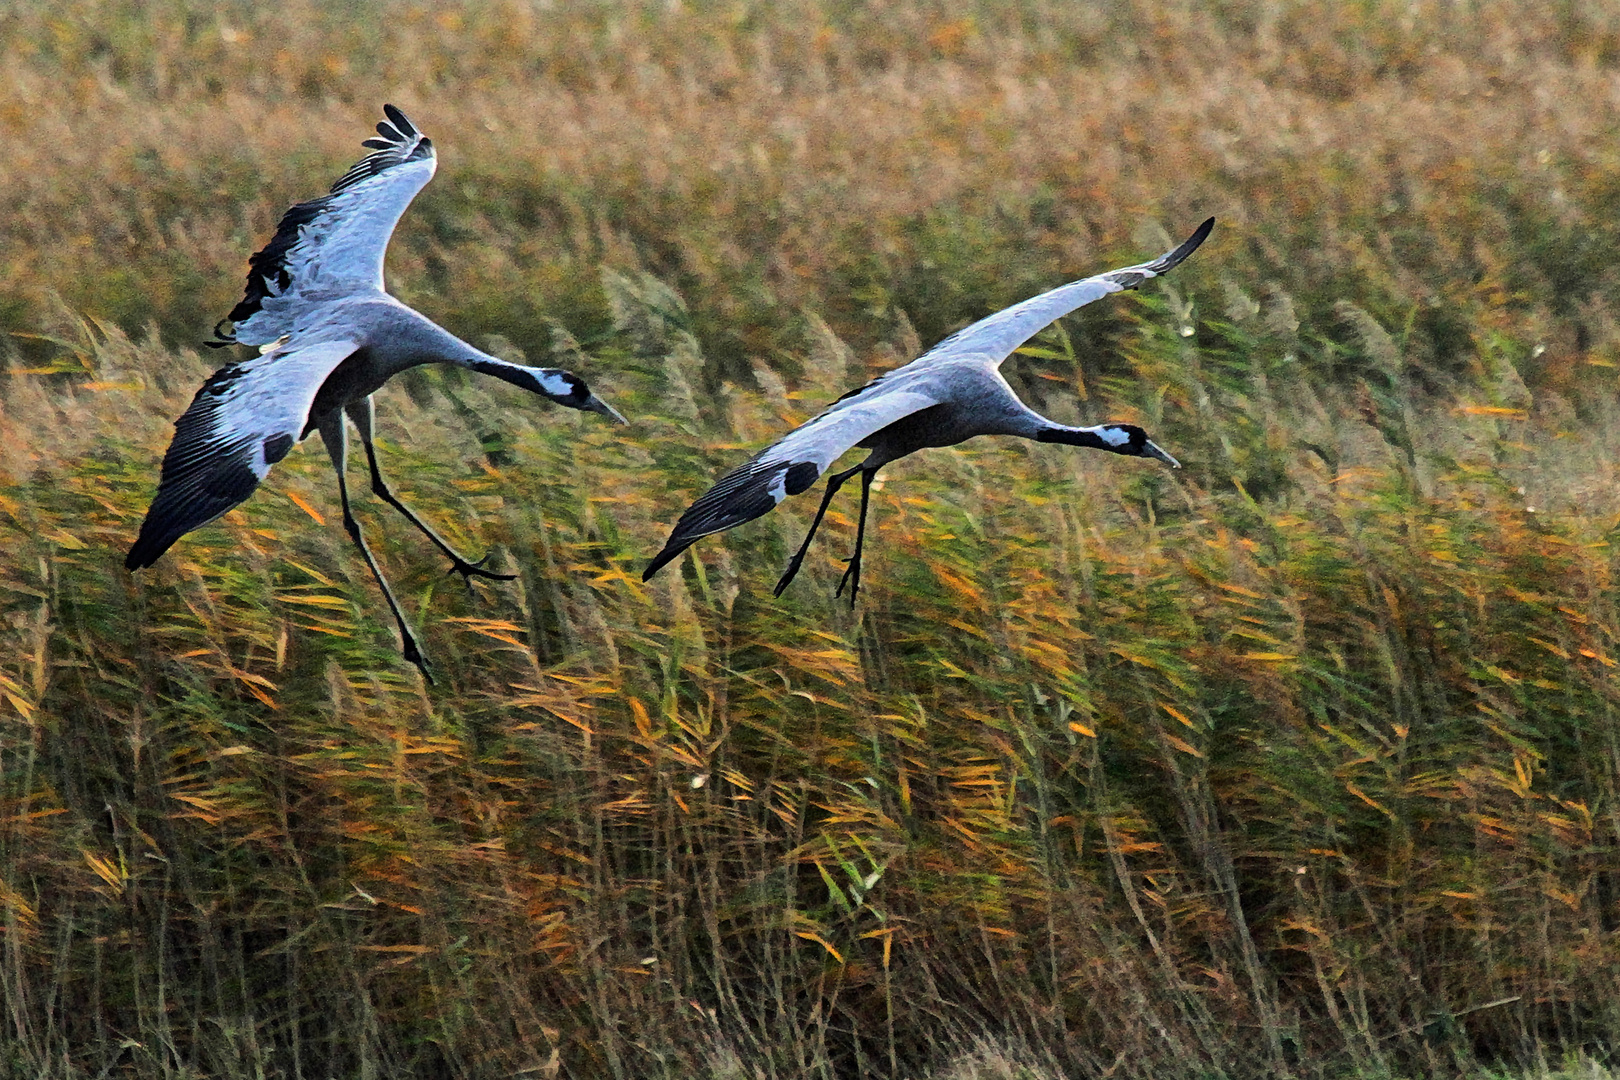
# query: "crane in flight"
{"type": "Point", "coordinates": [328, 336]}
{"type": "Point", "coordinates": [950, 394]}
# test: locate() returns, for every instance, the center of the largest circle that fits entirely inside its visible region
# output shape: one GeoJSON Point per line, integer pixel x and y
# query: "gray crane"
{"type": "Point", "coordinates": [328, 337]}
{"type": "Point", "coordinates": [948, 395]}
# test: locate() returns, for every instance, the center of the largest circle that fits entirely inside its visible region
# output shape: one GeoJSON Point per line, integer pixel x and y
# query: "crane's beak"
{"type": "Point", "coordinates": [1153, 450]}
{"type": "Point", "coordinates": [597, 405]}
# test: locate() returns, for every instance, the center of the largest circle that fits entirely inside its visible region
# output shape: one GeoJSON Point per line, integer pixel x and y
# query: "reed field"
{"type": "Point", "coordinates": [1302, 761]}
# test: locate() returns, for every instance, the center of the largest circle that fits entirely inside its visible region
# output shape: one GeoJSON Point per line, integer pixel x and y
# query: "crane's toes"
{"type": "Point", "coordinates": [470, 570]}
{"type": "Point", "coordinates": [852, 578]}
{"type": "Point", "coordinates": [787, 576]}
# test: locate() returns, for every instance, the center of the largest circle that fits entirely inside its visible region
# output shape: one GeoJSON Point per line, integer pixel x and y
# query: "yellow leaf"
{"type": "Point", "coordinates": [809, 935]}
{"type": "Point", "coordinates": [1184, 746]}
{"type": "Point", "coordinates": [316, 574]}
{"type": "Point", "coordinates": [1178, 714]}
{"type": "Point", "coordinates": [105, 870]}
{"type": "Point", "coordinates": [1562, 654]}
{"type": "Point", "coordinates": [1081, 729]}
{"type": "Point", "coordinates": [315, 600]}
{"type": "Point", "coordinates": [960, 586]}
{"type": "Point", "coordinates": [298, 501]}
{"type": "Point", "coordinates": [1134, 657]}
{"type": "Point", "coordinates": [1364, 797]}
{"type": "Point", "coordinates": [643, 721]}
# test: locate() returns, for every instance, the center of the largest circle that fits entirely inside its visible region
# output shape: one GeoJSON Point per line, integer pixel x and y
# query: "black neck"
{"type": "Point", "coordinates": [528, 379]}
{"type": "Point", "coordinates": [1074, 437]}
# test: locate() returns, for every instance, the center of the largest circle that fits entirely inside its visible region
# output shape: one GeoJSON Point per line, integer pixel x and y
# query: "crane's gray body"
{"type": "Point", "coordinates": [974, 401]}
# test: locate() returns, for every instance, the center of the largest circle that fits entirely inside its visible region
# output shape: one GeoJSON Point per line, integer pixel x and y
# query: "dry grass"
{"type": "Point", "coordinates": [1303, 761]}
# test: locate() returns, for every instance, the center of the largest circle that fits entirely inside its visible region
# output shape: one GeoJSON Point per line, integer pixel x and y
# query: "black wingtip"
{"type": "Point", "coordinates": [141, 555]}
{"type": "Point", "coordinates": [1172, 259]}
{"type": "Point", "coordinates": [155, 538]}
{"type": "Point", "coordinates": [399, 120]}
{"type": "Point", "coordinates": [662, 559]}
{"type": "Point", "coordinates": [1191, 244]}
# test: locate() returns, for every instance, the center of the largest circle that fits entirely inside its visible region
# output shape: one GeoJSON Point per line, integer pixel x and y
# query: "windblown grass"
{"type": "Point", "coordinates": [1302, 761]}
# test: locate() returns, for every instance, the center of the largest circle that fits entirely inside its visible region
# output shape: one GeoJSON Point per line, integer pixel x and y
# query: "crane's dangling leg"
{"type": "Point", "coordinates": [834, 482]}
{"type": "Point", "coordinates": [852, 575]}
{"type": "Point", "coordinates": [360, 412]}
{"type": "Point", "coordinates": [332, 434]}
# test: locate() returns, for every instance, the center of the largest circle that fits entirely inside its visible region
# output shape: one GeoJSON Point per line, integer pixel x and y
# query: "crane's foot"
{"type": "Point", "coordinates": [470, 570]}
{"type": "Point", "coordinates": [852, 578]}
{"type": "Point", "coordinates": [788, 574]}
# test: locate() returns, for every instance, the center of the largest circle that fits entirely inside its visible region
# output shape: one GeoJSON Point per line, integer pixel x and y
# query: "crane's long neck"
{"type": "Point", "coordinates": [1127, 439]}
{"type": "Point", "coordinates": [1019, 419]}
{"type": "Point", "coordinates": [1101, 437]}
{"type": "Point", "coordinates": [553, 383]}
{"type": "Point", "coordinates": [1000, 412]}
{"type": "Point", "coordinates": [416, 339]}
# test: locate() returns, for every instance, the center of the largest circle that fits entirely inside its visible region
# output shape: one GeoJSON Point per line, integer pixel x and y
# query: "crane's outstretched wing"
{"type": "Point", "coordinates": [243, 420]}
{"type": "Point", "coordinates": [994, 337]}
{"type": "Point", "coordinates": [334, 244]}
{"type": "Point", "coordinates": [793, 464]}
{"type": "Point", "coordinates": [788, 466]}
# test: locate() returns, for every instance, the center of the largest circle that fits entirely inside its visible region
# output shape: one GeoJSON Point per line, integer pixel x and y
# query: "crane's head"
{"type": "Point", "coordinates": [1133, 441]}
{"type": "Point", "coordinates": [579, 396]}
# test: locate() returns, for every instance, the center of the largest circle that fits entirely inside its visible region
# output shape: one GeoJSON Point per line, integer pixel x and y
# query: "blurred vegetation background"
{"type": "Point", "coordinates": [1301, 761]}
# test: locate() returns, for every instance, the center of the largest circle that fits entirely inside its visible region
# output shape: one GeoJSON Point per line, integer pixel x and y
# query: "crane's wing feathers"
{"type": "Point", "coordinates": [787, 467]}
{"type": "Point", "coordinates": [793, 464]}
{"type": "Point", "coordinates": [333, 244]}
{"type": "Point", "coordinates": [993, 339]}
{"type": "Point", "coordinates": [243, 420]}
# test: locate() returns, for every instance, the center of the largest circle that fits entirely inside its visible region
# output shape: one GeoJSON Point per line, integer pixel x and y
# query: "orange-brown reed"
{"type": "Point", "coordinates": [1301, 761]}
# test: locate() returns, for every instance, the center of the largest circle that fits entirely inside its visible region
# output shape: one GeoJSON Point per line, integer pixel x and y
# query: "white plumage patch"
{"type": "Point", "coordinates": [1114, 436]}
{"type": "Point", "coordinates": [778, 489]}
{"type": "Point", "coordinates": [553, 384]}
